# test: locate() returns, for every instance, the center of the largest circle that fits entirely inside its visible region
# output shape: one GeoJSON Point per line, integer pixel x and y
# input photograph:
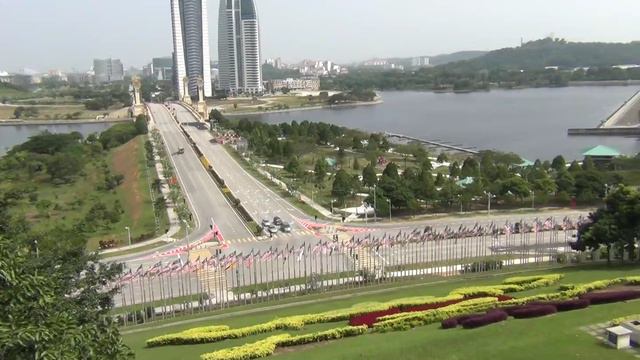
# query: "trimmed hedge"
{"type": "Point", "coordinates": [268, 346]}
{"type": "Point", "coordinates": [450, 323]}
{"type": "Point", "coordinates": [533, 311]}
{"type": "Point", "coordinates": [495, 290]}
{"type": "Point", "coordinates": [207, 329]}
{"type": "Point", "coordinates": [491, 317]}
{"type": "Point", "coordinates": [254, 350]}
{"type": "Point", "coordinates": [568, 305]}
{"type": "Point", "coordinates": [332, 334]}
{"type": "Point", "coordinates": [611, 297]}
{"type": "Point", "coordinates": [405, 321]}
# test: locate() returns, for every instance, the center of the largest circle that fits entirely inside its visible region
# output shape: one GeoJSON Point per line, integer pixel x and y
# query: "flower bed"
{"type": "Point", "coordinates": [490, 317]}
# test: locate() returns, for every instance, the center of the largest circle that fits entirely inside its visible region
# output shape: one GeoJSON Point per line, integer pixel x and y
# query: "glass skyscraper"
{"type": "Point", "coordinates": [191, 45]}
{"type": "Point", "coordinates": [239, 48]}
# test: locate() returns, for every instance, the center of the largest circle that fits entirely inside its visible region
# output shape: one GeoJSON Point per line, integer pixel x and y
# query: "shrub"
{"type": "Point", "coordinates": [533, 311]}
{"type": "Point", "coordinates": [611, 297]}
{"type": "Point", "coordinates": [491, 317]}
{"type": "Point", "coordinates": [574, 304]}
{"type": "Point", "coordinates": [620, 320]}
{"type": "Point", "coordinates": [449, 323]}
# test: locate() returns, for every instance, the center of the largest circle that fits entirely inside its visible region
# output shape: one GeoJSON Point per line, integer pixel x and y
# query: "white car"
{"type": "Point", "coordinates": [266, 223]}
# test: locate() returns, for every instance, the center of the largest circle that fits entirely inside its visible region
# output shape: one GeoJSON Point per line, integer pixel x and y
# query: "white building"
{"type": "Point", "coordinates": [309, 84]}
{"type": "Point", "coordinates": [239, 48]}
{"type": "Point", "coordinates": [191, 53]}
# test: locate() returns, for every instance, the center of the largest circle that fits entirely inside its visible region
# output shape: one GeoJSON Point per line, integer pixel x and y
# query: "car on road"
{"type": "Point", "coordinates": [277, 221]}
{"type": "Point", "coordinates": [266, 223]}
{"type": "Point", "coordinates": [285, 227]}
{"type": "Point", "coordinates": [273, 229]}
{"type": "Point", "coordinates": [180, 151]}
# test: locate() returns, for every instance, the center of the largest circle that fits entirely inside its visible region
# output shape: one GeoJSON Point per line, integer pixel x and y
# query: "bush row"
{"type": "Point", "coordinates": [206, 329]}
{"type": "Point", "coordinates": [268, 346]}
{"type": "Point", "coordinates": [510, 285]}
{"type": "Point", "coordinates": [494, 290]}
{"type": "Point", "coordinates": [574, 290]}
{"type": "Point", "coordinates": [190, 338]}
{"type": "Point", "coordinates": [259, 349]}
{"type": "Point", "coordinates": [531, 311]}
{"type": "Point", "coordinates": [611, 297]}
{"type": "Point", "coordinates": [524, 280]}
{"type": "Point", "coordinates": [332, 334]}
{"type": "Point", "coordinates": [490, 317]}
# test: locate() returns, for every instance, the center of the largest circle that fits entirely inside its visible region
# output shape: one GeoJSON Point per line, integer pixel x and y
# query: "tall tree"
{"type": "Point", "coordinates": [559, 163]}
{"type": "Point", "coordinates": [342, 185]}
{"type": "Point", "coordinates": [369, 177]}
{"type": "Point", "coordinates": [57, 305]}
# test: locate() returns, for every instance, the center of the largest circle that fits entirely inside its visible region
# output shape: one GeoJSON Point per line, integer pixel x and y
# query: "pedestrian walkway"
{"type": "Point", "coordinates": [264, 238]}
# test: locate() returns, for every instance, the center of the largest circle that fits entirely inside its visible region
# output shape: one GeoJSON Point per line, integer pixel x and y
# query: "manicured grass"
{"type": "Point", "coordinates": [554, 337]}
{"type": "Point", "coordinates": [53, 112]}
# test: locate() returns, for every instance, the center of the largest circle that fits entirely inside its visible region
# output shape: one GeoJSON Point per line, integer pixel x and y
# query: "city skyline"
{"type": "Point", "coordinates": [298, 30]}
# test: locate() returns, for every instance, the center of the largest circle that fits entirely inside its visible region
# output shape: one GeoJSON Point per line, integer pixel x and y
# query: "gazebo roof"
{"type": "Point", "coordinates": [602, 151]}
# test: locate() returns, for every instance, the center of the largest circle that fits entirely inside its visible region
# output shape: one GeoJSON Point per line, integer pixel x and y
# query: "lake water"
{"type": "Point", "coordinates": [11, 135]}
{"type": "Point", "coordinates": [532, 122]}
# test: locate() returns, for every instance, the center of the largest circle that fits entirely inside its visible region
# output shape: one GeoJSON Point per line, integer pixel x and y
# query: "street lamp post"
{"type": "Point", "coordinates": [489, 203]}
{"type": "Point", "coordinates": [186, 236]}
{"type": "Point", "coordinates": [37, 250]}
{"type": "Point", "coordinates": [533, 199]}
{"type": "Point", "coordinates": [375, 203]}
{"type": "Point", "coordinates": [332, 201]}
{"type": "Point", "coordinates": [389, 201]}
{"type": "Point", "coordinates": [129, 234]}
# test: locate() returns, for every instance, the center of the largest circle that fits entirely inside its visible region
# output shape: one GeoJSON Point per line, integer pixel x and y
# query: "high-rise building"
{"type": "Point", "coordinates": [191, 45]}
{"type": "Point", "coordinates": [108, 70]}
{"type": "Point", "coordinates": [239, 47]}
{"type": "Point", "coordinates": [162, 68]}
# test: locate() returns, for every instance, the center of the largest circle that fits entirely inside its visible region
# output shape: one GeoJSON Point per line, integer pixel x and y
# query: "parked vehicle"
{"type": "Point", "coordinates": [285, 227]}
{"type": "Point", "coordinates": [266, 223]}
{"type": "Point", "coordinates": [277, 221]}
{"type": "Point", "coordinates": [273, 229]}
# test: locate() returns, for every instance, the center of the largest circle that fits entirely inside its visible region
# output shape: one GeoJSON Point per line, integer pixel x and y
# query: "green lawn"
{"type": "Point", "coordinates": [60, 112]}
{"type": "Point", "coordinates": [554, 337]}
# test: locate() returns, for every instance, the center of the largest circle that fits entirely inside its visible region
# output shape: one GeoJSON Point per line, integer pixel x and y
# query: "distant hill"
{"type": "Point", "coordinates": [456, 56]}
{"type": "Point", "coordinates": [554, 52]}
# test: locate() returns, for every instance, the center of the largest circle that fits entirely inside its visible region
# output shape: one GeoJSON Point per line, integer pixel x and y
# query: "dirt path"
{"type": "Point", "coordinates": [125, 162]}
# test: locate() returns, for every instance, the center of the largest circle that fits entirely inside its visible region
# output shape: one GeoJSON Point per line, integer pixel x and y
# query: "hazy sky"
{"type": "Point", "coordinates": [68, 34]}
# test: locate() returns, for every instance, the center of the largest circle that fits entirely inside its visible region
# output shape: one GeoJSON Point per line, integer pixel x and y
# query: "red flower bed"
{"type": "Point", "coordinates": [532, 311]}
{"type": "Point", "coordinates": [491, 317]}
{"type": "Point", "coordinates": [611, 296]}
{"type": "Point", "coordinates": [370, 318]}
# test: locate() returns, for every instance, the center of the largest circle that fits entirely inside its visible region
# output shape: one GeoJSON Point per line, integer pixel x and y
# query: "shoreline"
{"type": "Point", "coordinates": [15, 122]}
{"type": "Point", "coordinates": [355, 104]}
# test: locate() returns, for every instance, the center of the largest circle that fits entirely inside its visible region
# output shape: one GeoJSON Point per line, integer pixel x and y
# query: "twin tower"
{"type": "Point", "coordinates": [238, 47]}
